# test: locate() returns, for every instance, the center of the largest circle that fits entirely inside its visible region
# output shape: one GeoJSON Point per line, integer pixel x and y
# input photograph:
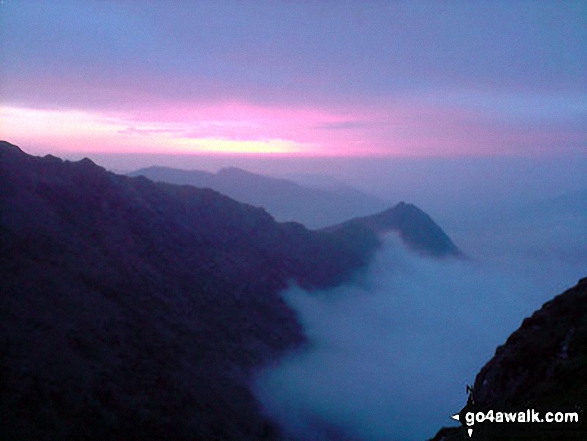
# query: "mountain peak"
{"type": "Point", "coordinates": [415, 227]}
{"type": "Point", "coordinates": [404, 207]}
{"type": "Point", "coordinates": [8, 148]}
{"type": "Point", "coordinates": [233, 171]}
{"type": "Point", "coordinates": [12, 151]}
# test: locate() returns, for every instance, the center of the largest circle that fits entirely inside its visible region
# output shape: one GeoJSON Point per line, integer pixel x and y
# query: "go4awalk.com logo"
{"type": "Point", "coordinates": [526, 416]}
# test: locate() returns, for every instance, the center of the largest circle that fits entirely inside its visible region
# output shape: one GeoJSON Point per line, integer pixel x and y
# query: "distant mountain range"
{"type": "Point", "coordinates": [541, 366]}
{"type": "Point", "coordinates": [284, 199]}
{"type": "Point", "coordinates": [138, 310]}
{"type": "Point", "coordinates": [315, 207]}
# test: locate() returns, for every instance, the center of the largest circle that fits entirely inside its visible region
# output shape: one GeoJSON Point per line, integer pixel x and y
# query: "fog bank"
{"type": "Point", "coordinates": [390, 355]}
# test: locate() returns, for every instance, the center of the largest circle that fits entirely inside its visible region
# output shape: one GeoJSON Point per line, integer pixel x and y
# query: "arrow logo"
{"type": "Point", "coordinates": [457, 417]}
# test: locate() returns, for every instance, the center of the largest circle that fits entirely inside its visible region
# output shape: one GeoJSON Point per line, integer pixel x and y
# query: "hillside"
{"type": "Point", "coordinates": [415, 227]}
{"type": "Point", "coordinates": [137, 310]}
{"type": "Point", "coordinates": [541, 366]}
{"type": "Point", "coordinates": [287, 200]}
{"type": "Point", "coordinates": [284, 199]}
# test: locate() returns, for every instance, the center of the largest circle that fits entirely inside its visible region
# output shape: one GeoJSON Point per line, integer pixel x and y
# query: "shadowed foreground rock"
{"type": "Point", "coordinates": [542, 366]}
{"type": "Point", "coordinates": [131, 310]}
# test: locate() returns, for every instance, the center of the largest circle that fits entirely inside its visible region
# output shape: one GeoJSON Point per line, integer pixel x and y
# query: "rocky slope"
{"type": "Point", "coordinates": [542, 366]}
{"type": "Point", "coordinates": [414, 226]}
{"type": "Point", "coordinates": [134, 310]}
{"type": "Point", "coordinates": [138, 310]}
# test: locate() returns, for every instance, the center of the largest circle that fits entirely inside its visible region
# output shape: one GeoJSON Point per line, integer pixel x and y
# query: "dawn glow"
{"type": "Point", "coordinates": [409, 79]}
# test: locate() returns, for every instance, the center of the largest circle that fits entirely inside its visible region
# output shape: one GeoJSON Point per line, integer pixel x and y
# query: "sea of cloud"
{"type": "Point", "coordinates": [389, 355]}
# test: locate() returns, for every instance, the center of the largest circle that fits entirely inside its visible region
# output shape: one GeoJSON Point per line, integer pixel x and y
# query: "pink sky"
{"type": "Point", "coordinates": [409, 79]}
{"type": "Point", "coordinates": [401, 129]}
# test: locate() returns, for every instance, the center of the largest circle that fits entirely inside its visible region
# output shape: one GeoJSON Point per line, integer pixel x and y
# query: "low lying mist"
{"type": "Point", "coordinates": [390, 355]}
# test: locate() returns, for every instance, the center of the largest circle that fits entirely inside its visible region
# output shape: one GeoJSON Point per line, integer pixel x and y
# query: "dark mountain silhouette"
{"type": "Point", "coordinates": [415, 227]}
{"type": "Point", "coordinates": [542, 366]}
{"type": "Point", "coordinates": [284, 199]}
{"type": "Point", "coordinates": [135, 310]}
{"type": "Point", "coordinates": [138, 310]}
{"type": "Point", "coordinates": [316, 207]}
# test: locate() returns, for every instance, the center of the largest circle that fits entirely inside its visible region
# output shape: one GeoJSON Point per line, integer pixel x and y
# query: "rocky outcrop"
{"type": "Point", "coordinates": [415, 227]}
{"type": "Point", "coordinates": [542, 366]}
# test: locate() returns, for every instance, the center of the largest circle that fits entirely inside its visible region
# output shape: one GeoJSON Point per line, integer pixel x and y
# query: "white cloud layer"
{"type": "Point", "coordinates": [390, 355]}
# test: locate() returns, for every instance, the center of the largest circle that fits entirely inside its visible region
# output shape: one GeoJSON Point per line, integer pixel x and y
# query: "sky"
{"type": "Point", "coordinates": [295, 78]}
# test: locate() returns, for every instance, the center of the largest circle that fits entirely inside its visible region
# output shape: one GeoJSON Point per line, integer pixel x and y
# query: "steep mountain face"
{"type": "Point", "coordinates": [284, 199]}
{"type": "Point", "coordinates": [542, 366]}
{"type": "Point", "coordinates": [415, 227]}
{"type": "Point", "coordinates": [137, 310]}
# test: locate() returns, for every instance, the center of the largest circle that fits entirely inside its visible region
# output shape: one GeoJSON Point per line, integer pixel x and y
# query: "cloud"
{"type": "Point", "coordinates": [344, 125]}
{"type": "Point", "coordinates": [145, 131]}
{"type": "Point", "coordinates": [390, 355]}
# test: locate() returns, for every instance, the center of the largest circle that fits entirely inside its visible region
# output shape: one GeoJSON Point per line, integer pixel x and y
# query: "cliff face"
{"type": "Point", "coordinates": [133, 310]}
{"type": "Point", "coordinates": [542, 366]}
{"type": "Point", "coordinates": [544, 360]}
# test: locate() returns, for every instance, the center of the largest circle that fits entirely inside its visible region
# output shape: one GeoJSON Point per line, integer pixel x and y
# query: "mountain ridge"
{"type": "Point", "coordinates": [415, 227]}
{"type": "Point", "coordinates": [137, 310]}
{"type": "Point", "coordinates": [283, 198]}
